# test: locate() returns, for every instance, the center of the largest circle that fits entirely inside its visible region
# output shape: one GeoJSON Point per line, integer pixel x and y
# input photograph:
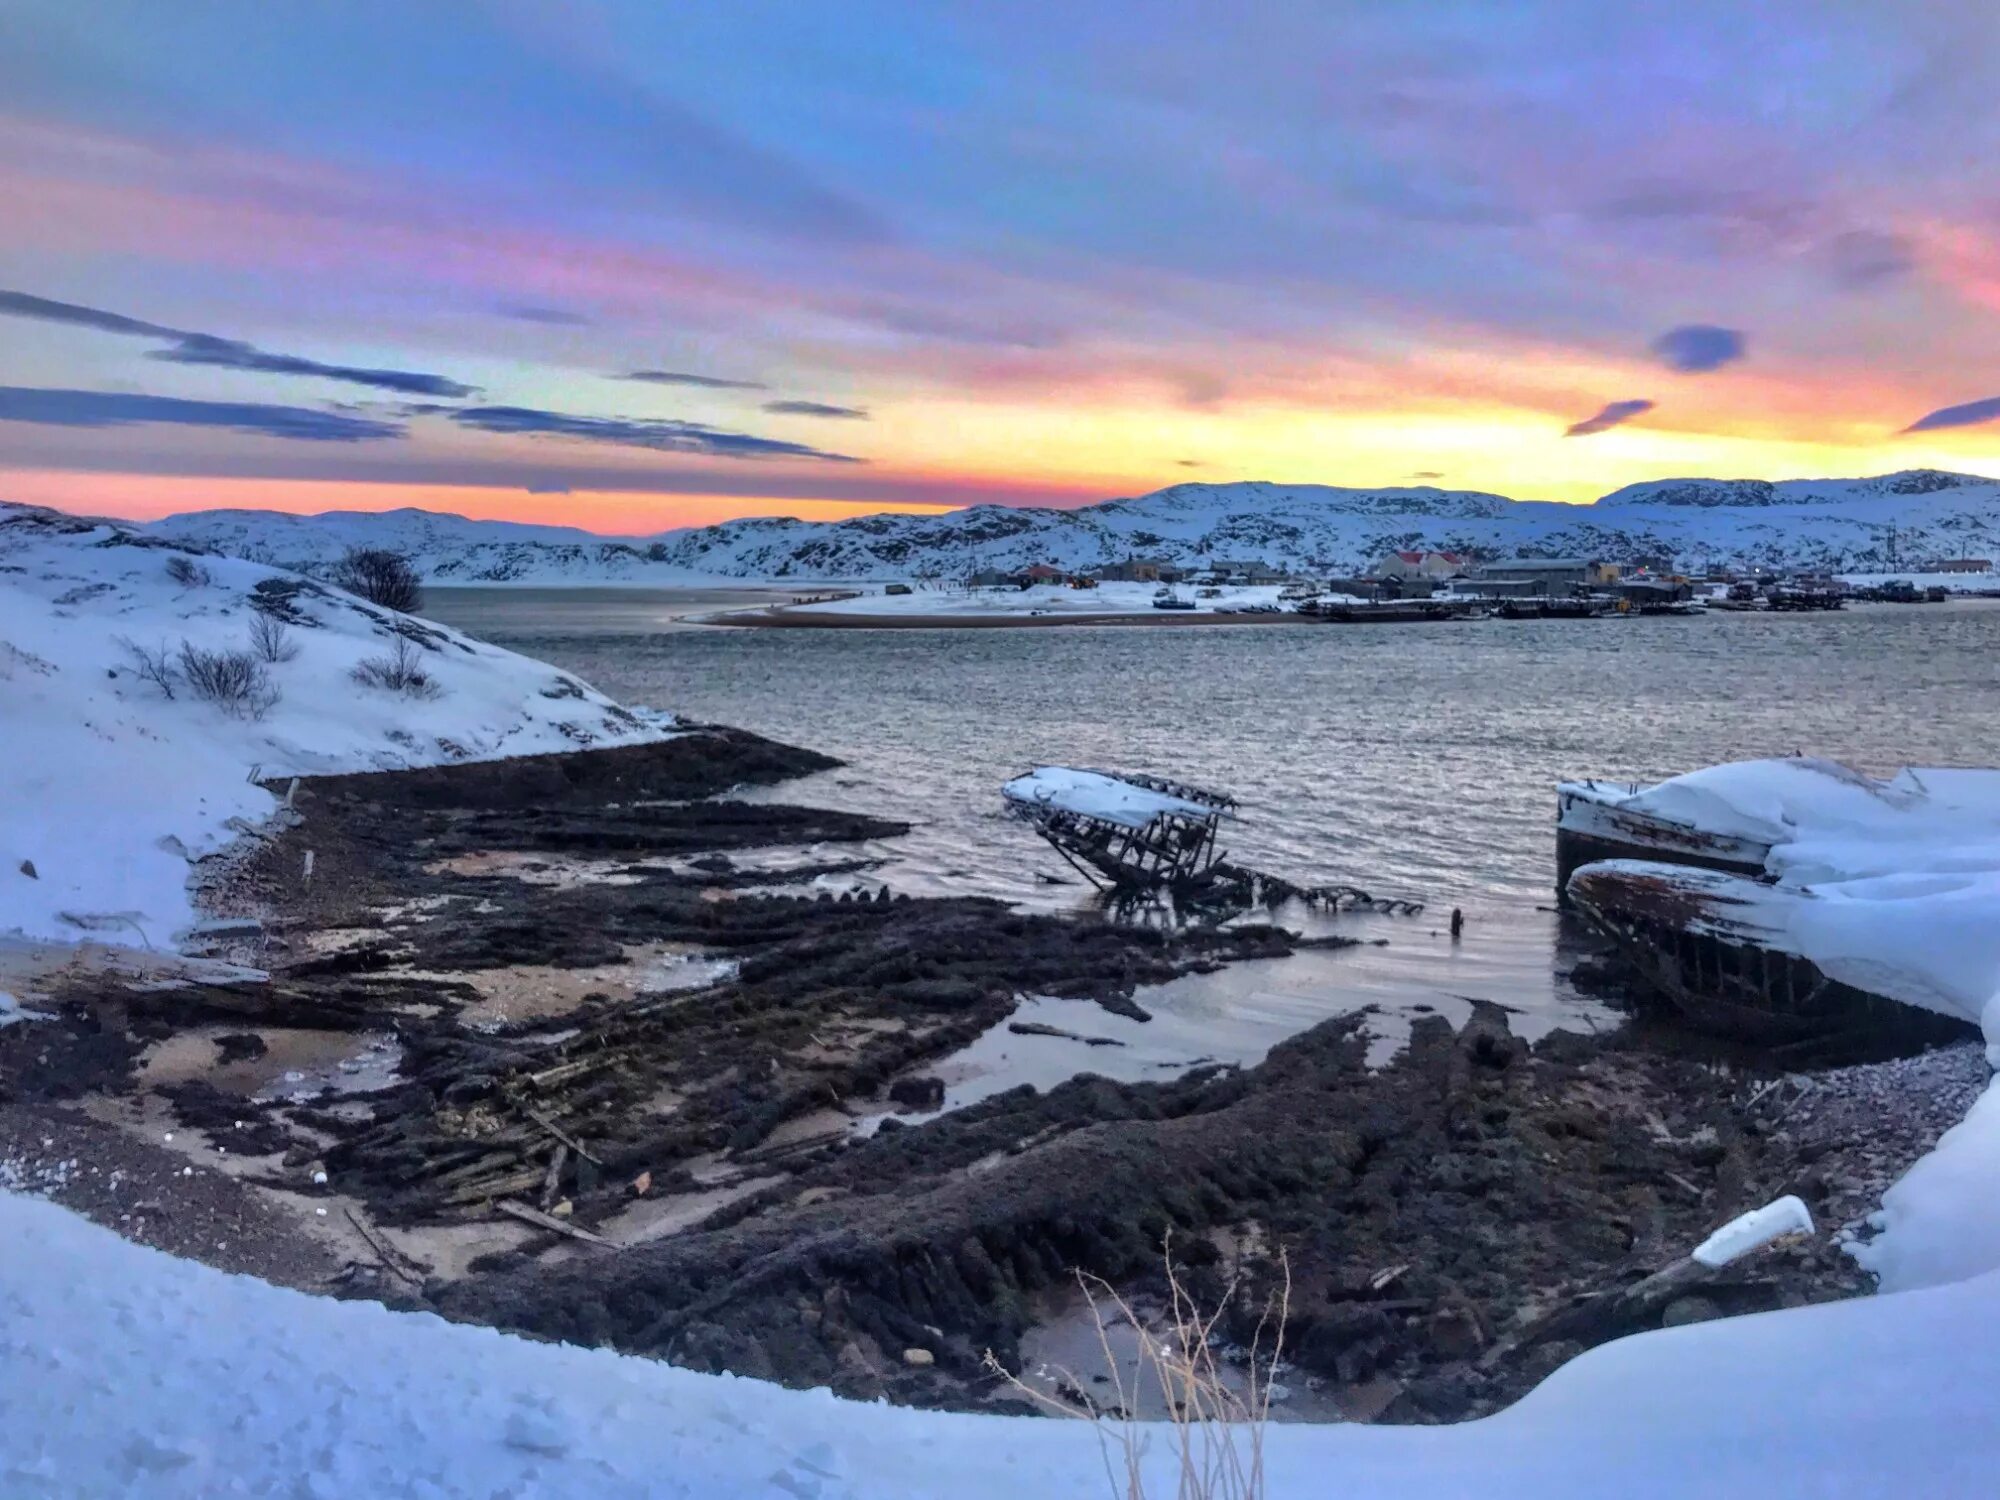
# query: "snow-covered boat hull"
{"type": "Point", "coordinates": [1591, 825]}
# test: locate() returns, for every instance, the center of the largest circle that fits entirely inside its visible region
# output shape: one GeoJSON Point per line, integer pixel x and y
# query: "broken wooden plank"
{"type": "Point", "coordinates": [534, 1216]}
{"type": "Point", "coordinates": [562, 1135]}
{"type": "Point", "coordinates": [383, 1252]}
{"type": "Point", "coordinates": [552, 1182]}
{"type": "Point", "coordinates": [494, 1187]}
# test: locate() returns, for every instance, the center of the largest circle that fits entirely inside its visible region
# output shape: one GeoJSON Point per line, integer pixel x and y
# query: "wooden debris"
{"type": "Point", "coordinates": [384, 1252]}
{"type": "Point", "coordinates": [552, 1183]}
{"type": "Point", "coordinates": [562, 1135]}
{"type": "Point", "coordinates": [517, 1210]}
{"type": "Point", "coordinates": [1385, 1278]}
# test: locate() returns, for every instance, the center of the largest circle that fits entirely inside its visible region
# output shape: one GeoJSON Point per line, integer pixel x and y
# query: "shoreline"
{"type": "Point", "coordinates": [579, 985]}
{"type": "Point", "coordinates": [791, 617]}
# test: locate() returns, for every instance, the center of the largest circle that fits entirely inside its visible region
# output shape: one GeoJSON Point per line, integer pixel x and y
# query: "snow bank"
{"type": "Point", "coordinates": [1941, 1222]}
{"type": "Point", "coordinates": [131, 1373]}
{"type": "Point", "coordinates": [1094, 794]}
{"type": "Point", "coordinates": [113, 789]}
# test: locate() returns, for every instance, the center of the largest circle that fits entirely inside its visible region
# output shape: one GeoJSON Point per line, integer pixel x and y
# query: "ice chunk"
{"type": "Point", "coordinates": [1754, 1230]}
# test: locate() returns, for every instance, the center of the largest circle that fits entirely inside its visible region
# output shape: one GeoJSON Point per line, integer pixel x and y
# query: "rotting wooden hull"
{"type": "Point", "coordinates": [1590, 828]}
{"type": "Point", "coordinates": [1711, 945]}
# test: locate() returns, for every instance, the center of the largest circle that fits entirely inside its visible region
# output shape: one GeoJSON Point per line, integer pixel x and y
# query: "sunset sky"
{"type": "Point", "coordinates": [632, 265]}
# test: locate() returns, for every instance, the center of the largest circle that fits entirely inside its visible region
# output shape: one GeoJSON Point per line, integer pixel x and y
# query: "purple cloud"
{"type": "Point", "coordinates": [1614, 414]}
{"type": "Point", "coordinates": [702, 382]}
{"type": "Point", "coordinates": [529, 312]}
{"type": "Point", "coordinates": [666, 436]}
{"type": "Point", "coordinates": [815, 409]}
{"type": "Point", "coordinates": [1971, 414]}
{"type": "Point", "coordinates": [1867, 258]}
{"type": "Point", "coordinates": [66, 408]}
{"type": "Point", "coordinates": [1694, 348]}
{"type": "Point", "coordinates": [208, 349]}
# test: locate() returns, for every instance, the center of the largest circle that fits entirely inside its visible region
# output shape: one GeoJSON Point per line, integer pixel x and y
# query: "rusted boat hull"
{"type": "Point", "coordinates": [1706, 943]}
{"type": "Point", "coordinates": [1589, 829]}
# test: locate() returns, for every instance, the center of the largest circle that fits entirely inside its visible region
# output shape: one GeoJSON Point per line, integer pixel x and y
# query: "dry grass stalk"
{"type": "Point", "coordinates": [1217, 1425]}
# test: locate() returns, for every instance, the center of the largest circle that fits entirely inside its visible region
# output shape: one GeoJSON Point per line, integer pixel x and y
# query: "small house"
{"type": "Point", "coordinates": [1242, 572]}
{"type": "Point", "coordinates": [1042, 573]}
{"type": "Point", "coordinates": [1135, 570]}
{"type": "Point", "coordinates": [1431, 565]}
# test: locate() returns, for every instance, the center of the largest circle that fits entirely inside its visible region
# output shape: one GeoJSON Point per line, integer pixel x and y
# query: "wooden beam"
{"type": "Point", "coordinates": [550, 1222]}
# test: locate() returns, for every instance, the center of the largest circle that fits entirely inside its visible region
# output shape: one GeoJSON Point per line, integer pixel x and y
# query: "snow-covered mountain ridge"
{"type": "Point", "coordinates": [1886, 523]}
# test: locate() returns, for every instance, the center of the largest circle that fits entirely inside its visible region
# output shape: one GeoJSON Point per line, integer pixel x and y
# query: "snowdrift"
{"type": "Point", "coordinates": [129, 1372]}
{"type": "Point", "coordinates": [113, 788]}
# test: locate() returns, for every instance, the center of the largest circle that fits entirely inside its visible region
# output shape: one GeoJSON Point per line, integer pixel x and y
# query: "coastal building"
{"type": "Point", "coordinates": [1252, 571]}
{"type": "Point", "coordinates": [1963, 565]}
{"type": "Point", "coordinates": [1431, 565]}
{"type": "Point", "coordinates": [1556, 575]}
{"type": "Point", "coordinates": [1138, 570]}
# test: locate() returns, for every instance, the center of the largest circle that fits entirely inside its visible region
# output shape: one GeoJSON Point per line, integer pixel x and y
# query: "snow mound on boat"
{"type": "Point", "coordinates": [114, 789]}
{"type": "Point", "coordinates": [1096, 794]}
{"type": "Point", "coordinates": [1779, 801]}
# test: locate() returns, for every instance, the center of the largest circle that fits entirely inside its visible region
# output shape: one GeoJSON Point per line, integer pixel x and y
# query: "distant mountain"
{"type": "Point", "coordinates": [1850, 525]}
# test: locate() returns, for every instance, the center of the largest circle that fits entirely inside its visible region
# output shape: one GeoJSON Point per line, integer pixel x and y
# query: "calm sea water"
{"type": "Point", "coordinates": [1413, 761]}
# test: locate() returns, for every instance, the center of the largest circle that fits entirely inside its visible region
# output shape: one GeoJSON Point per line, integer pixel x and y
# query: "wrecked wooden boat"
{"type": "Point", "coordinates": [1611, 820]}
{"type": "Point", "coordinates": [1122, 831]}
{"type": "Point", "coordinates": [1733, 956]}
{"type": "Point", "coordinates": [1134, 837]}
{"type": "Point", "coordinates": [1797, 899]}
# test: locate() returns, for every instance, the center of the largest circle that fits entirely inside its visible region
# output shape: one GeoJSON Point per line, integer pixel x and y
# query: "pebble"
{"type": "Point", "coordinates": [919, 1359]}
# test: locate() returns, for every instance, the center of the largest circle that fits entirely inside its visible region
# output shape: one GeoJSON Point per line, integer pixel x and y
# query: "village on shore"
{"type": "Point", "coordinates": [1401, 587]}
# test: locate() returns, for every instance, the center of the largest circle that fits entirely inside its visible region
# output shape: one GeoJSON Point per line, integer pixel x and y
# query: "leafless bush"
{"type": "Point", "coordinates": [234, 681]}
{"type": "Point", "coordinates": [270, 640]}
{"type": "Point", "coordinates": [155, 664]}
{"type": "Point", "coordinates": [1216, 1423]}
{"type": "Point", "coordinates": [186, 572]}
{"type": "Point", "coordinates": [381, 577]}
{"type": "Point", "coordinates": [402, 672]}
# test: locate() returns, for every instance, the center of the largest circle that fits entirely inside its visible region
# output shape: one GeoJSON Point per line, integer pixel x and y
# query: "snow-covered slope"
{"type": "Point", "coordinates": [112, 787]}
{"type": "Point", "coordinates": [130, 1373]}
{"type": "Point", "coordinates": [1896, 521]}
{"type": "Point", "coordinates": [447, 549]}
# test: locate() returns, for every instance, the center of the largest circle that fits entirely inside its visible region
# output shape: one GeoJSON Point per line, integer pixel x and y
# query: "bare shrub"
{"type": "Point", "coordinates": [186, 572]}
{"type": "Point", "coordinates": [403, 672]}
{"type": "Point", "coordinates": [270, 639]}
{"type": "Point", "coordinates": [381, 577]}
{"type": "Point", "coordinates": [153, 663]}
{"type": "Point", "coordinates": [234, 681]}
{"type": "Point", "coordinates": [1215, 1423]}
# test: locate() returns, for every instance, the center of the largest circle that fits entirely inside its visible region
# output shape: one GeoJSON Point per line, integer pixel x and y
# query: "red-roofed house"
{"type": "Point", "coordinates": [1432, 565]}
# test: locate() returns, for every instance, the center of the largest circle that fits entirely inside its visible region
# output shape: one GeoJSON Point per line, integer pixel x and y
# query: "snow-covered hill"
{"type": "Point", "coordinates": [1897, 521]}
{"type": "Point", "coordinates": [119, 774]}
